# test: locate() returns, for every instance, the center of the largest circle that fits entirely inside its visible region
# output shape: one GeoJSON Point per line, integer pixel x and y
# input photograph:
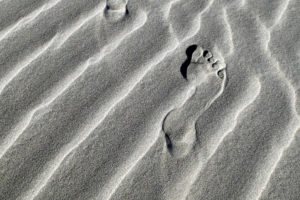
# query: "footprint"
{"type": "Point", "coordinates": [206, 76]}
{"type": "Point", "coordinates": [203, 64]}
{"type": "Point", "coordinates": [115, 10]}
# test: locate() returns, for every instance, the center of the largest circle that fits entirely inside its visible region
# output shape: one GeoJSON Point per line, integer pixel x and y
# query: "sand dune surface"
{"type": "Point", "coordinates": [158, 100]}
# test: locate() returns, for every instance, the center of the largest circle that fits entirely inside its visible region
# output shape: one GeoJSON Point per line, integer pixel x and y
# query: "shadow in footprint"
{"type": "Point", "coordinates": [189, 52]}
{"type": "Point", "coordinates": [168, 142]}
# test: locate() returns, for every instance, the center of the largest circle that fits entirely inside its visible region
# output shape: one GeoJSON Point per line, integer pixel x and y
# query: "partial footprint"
{"type": "Point", "coordinates": [115, 10]}
{"type": "Point", "coordinates": [208, 76]}
{"type": "Point", "coordinates": [202, 64]}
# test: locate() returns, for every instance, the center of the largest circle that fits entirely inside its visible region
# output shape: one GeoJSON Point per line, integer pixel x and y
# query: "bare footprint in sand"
{"type": "Point", "coordinates": [206, 78]}
{"type": "Point", "coordinates": [115, 9]}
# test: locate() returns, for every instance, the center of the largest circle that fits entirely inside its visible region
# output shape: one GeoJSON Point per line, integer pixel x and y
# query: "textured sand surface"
{"type": "Point", "coordinates": [150, 99]}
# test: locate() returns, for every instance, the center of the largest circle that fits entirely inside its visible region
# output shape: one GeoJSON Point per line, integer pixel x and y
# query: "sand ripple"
{"type": "Point", "coordinates": [85, 87]}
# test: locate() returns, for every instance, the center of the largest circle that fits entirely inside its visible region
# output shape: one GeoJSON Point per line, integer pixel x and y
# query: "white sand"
{"type": "Point", "coordinates": [158, 100]}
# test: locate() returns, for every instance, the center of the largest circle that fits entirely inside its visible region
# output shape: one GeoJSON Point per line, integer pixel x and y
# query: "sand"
{"type": "Point", "coordinates": [145, 99]}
